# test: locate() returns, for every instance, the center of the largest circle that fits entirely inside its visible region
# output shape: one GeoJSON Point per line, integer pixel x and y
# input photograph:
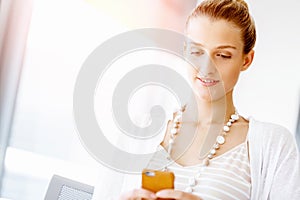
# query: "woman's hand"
{"type": "Point", "coordinates": [175, 194]}
{"type": "Point", "coordinates": [138, 194]}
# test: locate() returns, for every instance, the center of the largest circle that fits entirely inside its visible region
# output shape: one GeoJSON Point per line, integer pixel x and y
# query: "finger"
{"type": "Point", "coordinates": [142, 193]}
{"type": "Point", "coordinates": [169, 193]}
{"type": "Point", "coordinates": [176, 194]}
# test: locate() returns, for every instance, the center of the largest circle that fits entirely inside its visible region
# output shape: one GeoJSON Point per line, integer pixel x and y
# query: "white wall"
{"type": "Point", "coordinates": [270, 89]}
{"type": "Point", "coordinates": [44, 139]}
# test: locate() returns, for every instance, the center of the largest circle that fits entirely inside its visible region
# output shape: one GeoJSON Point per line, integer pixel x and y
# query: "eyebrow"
{"type": "Point", "coordinates": [226, 47]}
{"type": "Point", "coordinates": [219, 47]}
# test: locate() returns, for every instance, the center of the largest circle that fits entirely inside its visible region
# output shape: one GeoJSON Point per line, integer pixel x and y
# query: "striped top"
{"type": "Point", "coordinates": [226, 177]}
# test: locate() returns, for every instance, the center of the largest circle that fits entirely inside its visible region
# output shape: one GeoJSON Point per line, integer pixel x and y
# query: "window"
{"type": "Point", "coordinates": [43, 138]}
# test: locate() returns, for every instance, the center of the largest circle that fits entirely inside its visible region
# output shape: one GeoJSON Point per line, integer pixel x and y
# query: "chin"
{"type": "Point", "coordinates": [206, 98]}
{"type": "Point", "coordinates": [209, 95]}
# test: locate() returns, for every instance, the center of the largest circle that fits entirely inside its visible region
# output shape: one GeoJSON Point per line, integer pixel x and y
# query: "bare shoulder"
{"type": "Point", "coordinates": [164, 143]}
{"type": "Point", "coordinates": [167, 135]}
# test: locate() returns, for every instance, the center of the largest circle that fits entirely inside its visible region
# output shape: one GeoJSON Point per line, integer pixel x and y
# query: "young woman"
{"type": "Point", "coordinates": [247, 159]}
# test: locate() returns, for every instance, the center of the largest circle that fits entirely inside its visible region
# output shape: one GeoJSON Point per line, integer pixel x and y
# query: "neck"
{"type": "Point", "coordinates": [215, 112]}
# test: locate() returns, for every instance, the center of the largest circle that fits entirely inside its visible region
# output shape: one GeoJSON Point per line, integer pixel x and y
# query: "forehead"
{"type": "Point", "coordinates": [212, 33]}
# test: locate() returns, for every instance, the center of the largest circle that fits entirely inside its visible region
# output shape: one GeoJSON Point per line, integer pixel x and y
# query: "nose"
{"type": "Point", "coordinates": [206, 66]}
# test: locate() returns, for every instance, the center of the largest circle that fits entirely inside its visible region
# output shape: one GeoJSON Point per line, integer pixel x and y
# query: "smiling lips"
{"type": "Point", "coordinates": [207, 82]}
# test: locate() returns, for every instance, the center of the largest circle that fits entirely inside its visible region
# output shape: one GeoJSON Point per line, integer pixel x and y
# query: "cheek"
{"type": "Point", "coordinates": [229, 77]}
{"type": "Point", "coordinates": [191, 72]}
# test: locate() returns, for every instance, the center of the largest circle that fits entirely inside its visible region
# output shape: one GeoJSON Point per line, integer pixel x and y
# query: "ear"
{"type": "Point", "coordinates": [248, 58]}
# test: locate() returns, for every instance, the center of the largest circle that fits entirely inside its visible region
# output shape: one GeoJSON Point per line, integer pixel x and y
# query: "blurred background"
{"type": "Point", "coordinates": [43, 44]}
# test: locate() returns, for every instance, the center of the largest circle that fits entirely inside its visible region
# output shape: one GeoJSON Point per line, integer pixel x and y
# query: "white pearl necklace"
{"type": "Point", "coordinates": [220, 140]}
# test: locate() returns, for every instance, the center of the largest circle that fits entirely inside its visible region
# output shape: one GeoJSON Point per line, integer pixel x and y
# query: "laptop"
{"type": "Point", "coordinates": [61, 188]}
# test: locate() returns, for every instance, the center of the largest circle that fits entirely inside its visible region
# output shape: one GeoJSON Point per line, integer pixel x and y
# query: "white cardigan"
{"type": "Point", "coordinates": [274, 162]}
{"type": "Point", "coordinates": [274, 166]}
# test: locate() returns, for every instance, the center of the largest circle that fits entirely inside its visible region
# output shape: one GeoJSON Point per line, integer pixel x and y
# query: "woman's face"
{"type": "Point", "coordinates": [216, 51]}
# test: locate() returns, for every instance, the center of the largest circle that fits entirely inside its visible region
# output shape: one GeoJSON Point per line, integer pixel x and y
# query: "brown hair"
{"type": "Point", "coordinates": [235, 11]}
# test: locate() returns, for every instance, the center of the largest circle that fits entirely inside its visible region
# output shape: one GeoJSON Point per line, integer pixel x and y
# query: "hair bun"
{"type": "Point", "coordinates": [241, 2]}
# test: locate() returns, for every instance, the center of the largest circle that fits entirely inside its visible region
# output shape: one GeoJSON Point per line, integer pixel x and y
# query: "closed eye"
{"type": "Point", "coordinates": [196, 52]}
{"type": "Point", "coordinates": [224, 56]}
